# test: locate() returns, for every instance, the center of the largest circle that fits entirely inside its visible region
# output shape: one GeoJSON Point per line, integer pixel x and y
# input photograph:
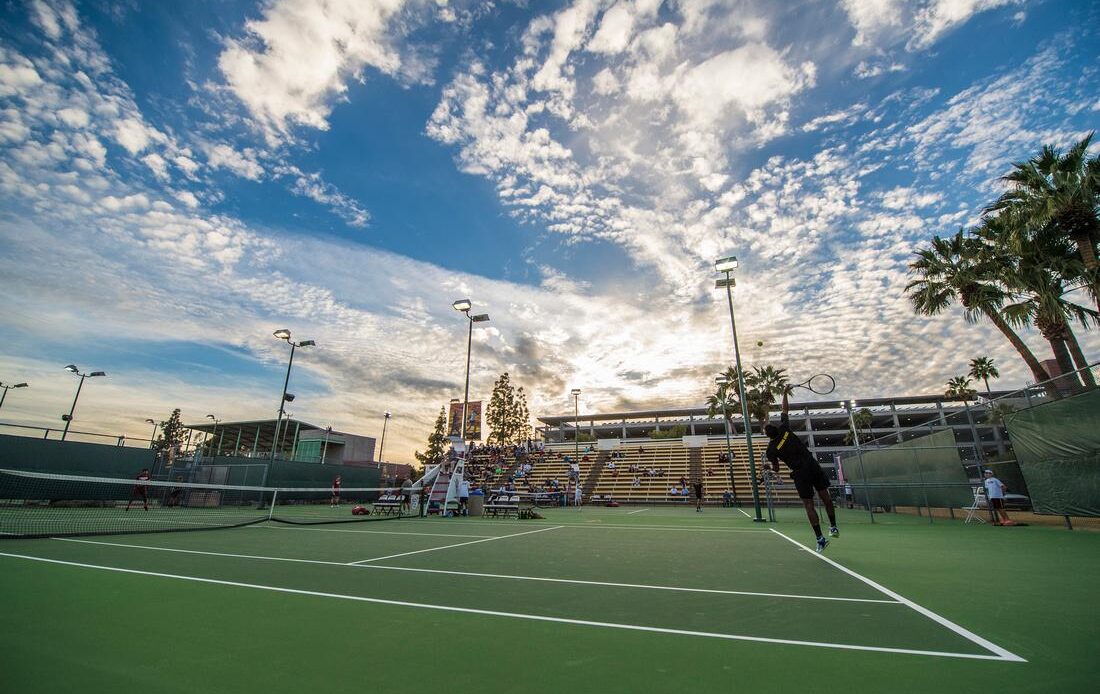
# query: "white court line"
{"type": "Point", "coordinates": [364, 532]}
{"type": "Point", "coordinates": [480, 575]}
{"type": "Point", "coordinates": [631, 513]}
{"type": "Point", "coordinates": [512, 615]}
{"type": "Point", "coordinates": [460, 544]}
{"type": "Point", "coordinates": [743, 512]}
{"type": "Point", "coordinates": [1002, 654]}
{"type": "Point", "coordinates": [596, 523]}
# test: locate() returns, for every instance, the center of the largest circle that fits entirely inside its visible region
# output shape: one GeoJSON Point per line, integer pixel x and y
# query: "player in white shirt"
{"type": "Point", "coordinates": [995, 496]}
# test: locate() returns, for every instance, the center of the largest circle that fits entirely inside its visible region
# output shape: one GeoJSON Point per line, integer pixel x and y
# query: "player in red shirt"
{"type": "Point", "coordinates": [335, 492]}
{"type": "Point", "coordinates": [140, 490]}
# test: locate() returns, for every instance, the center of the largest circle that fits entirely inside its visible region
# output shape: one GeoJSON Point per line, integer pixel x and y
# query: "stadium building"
{"type": "Point", "coordinates": [823, 425]}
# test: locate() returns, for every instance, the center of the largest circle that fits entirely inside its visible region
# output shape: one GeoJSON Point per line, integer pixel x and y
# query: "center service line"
{"type": "Point", "coordinates": [460, 544]}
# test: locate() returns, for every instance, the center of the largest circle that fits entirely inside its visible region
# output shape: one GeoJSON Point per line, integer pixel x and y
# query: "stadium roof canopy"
{"type": "Point", "coordinates": [256, 434]}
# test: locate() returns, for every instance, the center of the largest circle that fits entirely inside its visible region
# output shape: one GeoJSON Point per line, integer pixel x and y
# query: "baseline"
{"type": "Point", "coordinates": [512, 615]}
{"type": "Point", "coordinates": [1002, 654]}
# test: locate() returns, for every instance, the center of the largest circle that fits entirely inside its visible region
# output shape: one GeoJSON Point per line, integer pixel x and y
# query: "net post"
{"type": "Point", "coordinates": [271, 510]}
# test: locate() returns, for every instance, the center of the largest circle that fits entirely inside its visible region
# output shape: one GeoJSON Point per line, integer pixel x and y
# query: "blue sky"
{"type": "Point", "coordinates": [177, 180]}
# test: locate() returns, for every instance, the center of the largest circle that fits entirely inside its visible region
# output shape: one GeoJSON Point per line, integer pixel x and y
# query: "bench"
{"type": "Point", "coordinates": [388, 504]}
{"type": "Point", "coordinates": [502, 504]}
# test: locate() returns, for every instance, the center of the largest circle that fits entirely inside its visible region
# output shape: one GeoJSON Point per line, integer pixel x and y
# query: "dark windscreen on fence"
{"type": "Point", "coordinates": [1058, 447]}
{"type": "Point", "coordinates": [925, 471]}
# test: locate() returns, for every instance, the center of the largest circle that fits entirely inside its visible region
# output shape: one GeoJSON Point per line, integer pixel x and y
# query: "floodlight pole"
{"type": "Point", "coordinates": [466, 390]}
{"type": "Point", "coordinates": [729, 282]}
{"type": "Point", "coordinates": [7, 388]}
{"type": "Point", "coordinates": [464, 305]}
{"type": "Point", "coordinates": [69, 417]}
{"type": "Point", "coordinates": [153, 439]}
{"type": "Point", "coordinates": [859, 454]}
{"type": "Point", "coordinates": [284, 334]}
{"type": "Point", "coordinates": [576, 393]}
{"type": "Point", "coordinates": [382, 444]}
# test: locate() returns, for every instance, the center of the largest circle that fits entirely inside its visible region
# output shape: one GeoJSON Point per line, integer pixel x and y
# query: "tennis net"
{"type": "Point", "coordinates": [38, 504]}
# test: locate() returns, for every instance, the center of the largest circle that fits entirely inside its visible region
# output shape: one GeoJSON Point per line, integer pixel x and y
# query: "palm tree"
{"type": "Point", "coordinates": [1035, 270]}
{"type": "Point", "coordinates": [955, 269]}
{"type": "Point", "coordinates": [959, 387]}
{"type": "Point", "coordinates": [724, 400]}
{"type": "Point", "coordinates": [862, 418]}
{"type": "Point", "coordinates": [764, 383]}
{"type": "Point", "coordinates": [1058, 195]}
{"type": "Point", "coordinates": [983, 368]}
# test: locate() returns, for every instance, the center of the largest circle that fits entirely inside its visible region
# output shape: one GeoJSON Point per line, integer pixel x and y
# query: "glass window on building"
{"type": "Point", "coordinates": [308, 452]}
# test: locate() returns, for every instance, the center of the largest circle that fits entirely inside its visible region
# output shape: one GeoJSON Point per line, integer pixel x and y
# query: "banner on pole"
{"type": "Point", "coordinates": [473, 421]}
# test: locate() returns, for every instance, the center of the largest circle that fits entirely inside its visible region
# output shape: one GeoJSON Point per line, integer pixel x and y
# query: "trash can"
{"type": "Point", "coordinates": [476, 505]}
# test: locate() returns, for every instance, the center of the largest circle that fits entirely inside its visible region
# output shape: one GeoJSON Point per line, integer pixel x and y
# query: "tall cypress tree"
{"type": "Point", "coordinates": [171, 433]}
{"type": "Point", "coordinates": [437, 441]}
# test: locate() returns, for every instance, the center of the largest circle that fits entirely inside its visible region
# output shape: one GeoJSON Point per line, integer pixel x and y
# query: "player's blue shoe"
{"type": "Point", "coordinates": [833, 532]}
{"type": "Point", "coordinates": [822, 543]}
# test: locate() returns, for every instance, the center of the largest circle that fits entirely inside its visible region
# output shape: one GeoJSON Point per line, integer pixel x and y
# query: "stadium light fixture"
{"type": "Point", "coordinates": [214, 433]}
{"type": "Point", "coordinates": [284, 334]}
{"type": "Point", "coordinates": [7, 388]}
{"type": "Point", "coordinates": [464, 305]}
{"type": "Point", "coordinates": [726, 266]}
{"type": "Point", "coordinates": [68, 418]}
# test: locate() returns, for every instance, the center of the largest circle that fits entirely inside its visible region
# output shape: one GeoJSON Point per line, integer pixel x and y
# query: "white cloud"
{"type": "Point", "coordinates": [872, 17]}
{"type": "Point", "coordinates": [292, 64]}
{"type": "Point", "coordinates": [243, 163]}
{"type": "Point", "coordinates": [881, 23]}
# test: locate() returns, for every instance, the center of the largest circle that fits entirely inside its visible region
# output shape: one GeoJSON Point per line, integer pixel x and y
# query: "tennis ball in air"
{"type": "Point", "coordinates": [760, 344]}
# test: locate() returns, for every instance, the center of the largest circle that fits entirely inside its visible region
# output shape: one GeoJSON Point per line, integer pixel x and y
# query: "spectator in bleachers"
{"type": "Point", "coordinates": [674, 491]}
{"type": "Point", "coordinates": [636, 482]}
{"type": "Point", "coordinates": [727, 498]}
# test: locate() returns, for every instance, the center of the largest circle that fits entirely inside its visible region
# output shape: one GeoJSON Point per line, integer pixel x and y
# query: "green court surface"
{"type": "Point", "coordinates": [629, 599]}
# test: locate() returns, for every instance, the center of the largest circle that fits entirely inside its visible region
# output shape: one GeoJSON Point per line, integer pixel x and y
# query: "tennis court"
{"type": "Point", "coordinates": [598, 599]}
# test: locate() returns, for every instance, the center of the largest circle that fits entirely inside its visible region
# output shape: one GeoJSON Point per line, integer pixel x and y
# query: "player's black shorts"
{"type": "Point", "coordinates": [698, 491]}
{"type": "Point", "coordinates": [807, 477]}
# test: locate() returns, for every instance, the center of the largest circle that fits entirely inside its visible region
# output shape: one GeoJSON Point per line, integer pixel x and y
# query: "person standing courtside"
{"type": "Point", "coordinates": [806, 473]}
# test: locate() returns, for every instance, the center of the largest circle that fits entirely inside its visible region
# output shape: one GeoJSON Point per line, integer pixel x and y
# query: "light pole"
{"type": "Point", "coordinates": [69, 417]}
{"type": "Point", "coordinates": [284, 334]}
{"type": "Point", "coordinates": [576, 393]}
{"type": "Point", "coordinates": [153, 438]}
{"type": "Point", "coordinates": [7, 388]}
{"type": "Point", "coordinates": [848, 405]}
{"type": "Point", "coordinates": [727, 266]}
{"type": "Point", "coordinates": [464, 305]}
{"type": "Point", "coordinates": [214, 434]}
{"type": "Point", "coordinates": [723, 384]}
{"type": "Point", "coordinates": [382, 443]}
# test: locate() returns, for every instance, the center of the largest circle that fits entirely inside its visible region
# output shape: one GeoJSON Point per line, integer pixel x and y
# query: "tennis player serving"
{"type": "Point", "coordinates": [806, 473]}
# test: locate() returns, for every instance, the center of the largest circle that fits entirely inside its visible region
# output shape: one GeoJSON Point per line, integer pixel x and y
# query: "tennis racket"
{"type": "Point", "coordinates": [822, 384]}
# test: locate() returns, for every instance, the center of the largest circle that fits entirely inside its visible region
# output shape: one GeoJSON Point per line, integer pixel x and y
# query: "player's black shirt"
{"type": "Point", "coordinates": [788, 447]}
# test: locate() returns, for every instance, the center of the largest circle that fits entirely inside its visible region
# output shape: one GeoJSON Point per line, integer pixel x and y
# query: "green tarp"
{"type": "Point", "coordinates": [925, 471]}
{"type": "Point", "coordinates": [1058, 447]}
